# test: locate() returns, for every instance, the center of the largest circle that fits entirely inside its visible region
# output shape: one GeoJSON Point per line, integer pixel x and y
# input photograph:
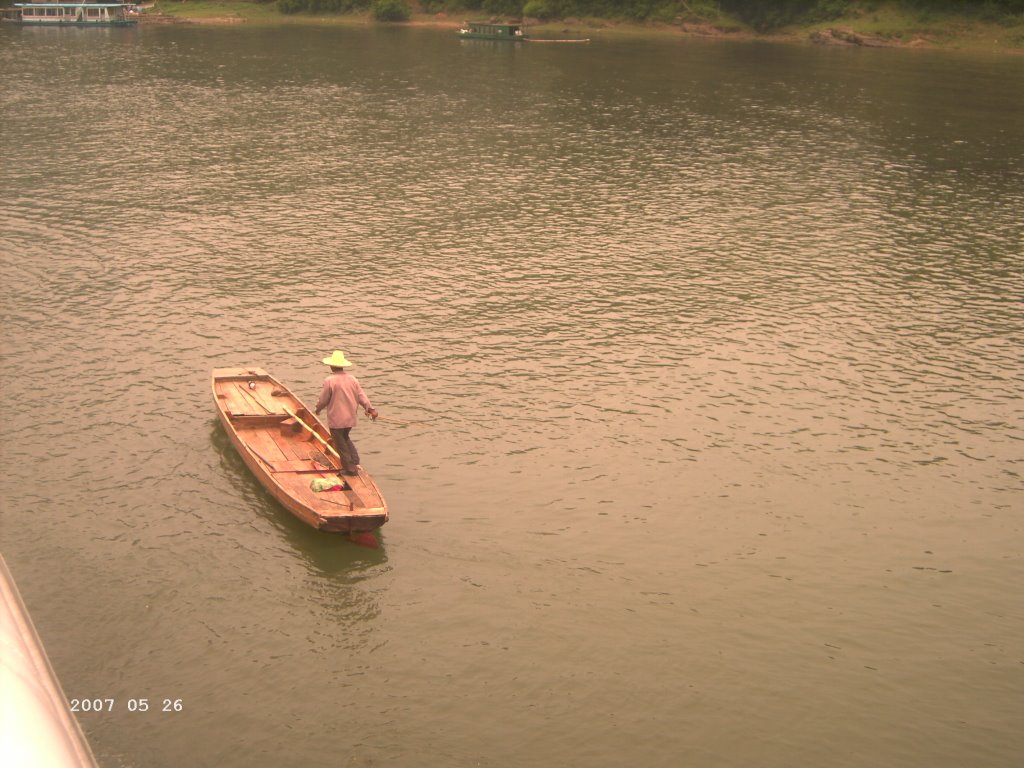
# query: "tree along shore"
{"type": "Point", "coordinates": [992, 25]}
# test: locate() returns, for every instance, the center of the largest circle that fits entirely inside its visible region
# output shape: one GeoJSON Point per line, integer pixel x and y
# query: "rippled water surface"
{"type": "Point", "coordinates": [716, 350]}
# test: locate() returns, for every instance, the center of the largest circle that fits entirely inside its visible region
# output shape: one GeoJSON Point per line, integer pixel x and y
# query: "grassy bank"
{"type": "Point", "coordinates": [886, 25]}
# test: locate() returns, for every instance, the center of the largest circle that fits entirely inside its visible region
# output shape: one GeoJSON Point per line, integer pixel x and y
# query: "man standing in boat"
{"type": "Point", "coordinates": [341, 396]}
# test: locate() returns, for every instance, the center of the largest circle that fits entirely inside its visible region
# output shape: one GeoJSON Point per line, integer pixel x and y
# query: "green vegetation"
{"type": "Point", "coordinates": [216, 10]}
{"type": "Point", "coordinates": [390, 10]}
{"type": "Point", "coordinates": [765, 16]}
{"type": "Point", "coordinates": [990, 24]}
{"type": "Point", "coordinates": [759, 15]}
{"type": "Point", "coordinates": [322, 6]}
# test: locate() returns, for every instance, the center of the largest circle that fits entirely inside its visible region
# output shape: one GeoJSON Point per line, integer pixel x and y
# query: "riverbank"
{"type": "Point", "coordinates": [887, 26]}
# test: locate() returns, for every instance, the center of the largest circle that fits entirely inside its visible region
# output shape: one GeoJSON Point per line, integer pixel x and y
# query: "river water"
{"type": "Point", "coordinates": [714, 351]}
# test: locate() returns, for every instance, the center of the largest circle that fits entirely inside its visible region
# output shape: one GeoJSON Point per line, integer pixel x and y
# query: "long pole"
{"type": "Point", "coordinates": [312, 431]}
{"type": "Point", "coordinates": [315, 434]}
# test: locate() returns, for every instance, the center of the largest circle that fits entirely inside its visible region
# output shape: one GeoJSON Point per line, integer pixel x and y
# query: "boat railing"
{"type": "Point", "coordinates": [38, 727]}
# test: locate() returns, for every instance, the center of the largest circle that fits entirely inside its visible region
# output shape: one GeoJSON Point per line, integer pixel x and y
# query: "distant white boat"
{"type": "Point", "coordinates": [73, 14]}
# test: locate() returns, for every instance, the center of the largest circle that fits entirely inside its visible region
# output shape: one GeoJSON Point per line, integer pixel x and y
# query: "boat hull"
{"type": "Point", "coordinates": [24, 23]}
{"type": "Point", "coordinates": [54, 13]}
{"type": "Point", "coordinates": [38, 727]}
{"type": "Point", "coordinates": [474, 36]}
{"type": "Point", "coordinates": [285, 447]}
{"type": "Point", "coordinates": [486, 30]}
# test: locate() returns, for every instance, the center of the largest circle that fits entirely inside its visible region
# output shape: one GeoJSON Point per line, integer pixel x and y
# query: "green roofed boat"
{"type": "Point", "coordinates": [485, 30]}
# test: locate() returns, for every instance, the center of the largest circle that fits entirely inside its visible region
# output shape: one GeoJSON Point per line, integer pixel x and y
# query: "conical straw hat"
{"type": "Point", "coordinates": [337, 360]}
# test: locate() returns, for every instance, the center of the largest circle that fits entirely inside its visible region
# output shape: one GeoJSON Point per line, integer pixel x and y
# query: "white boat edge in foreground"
{"type": "Point", "coordinates": [37, 727]}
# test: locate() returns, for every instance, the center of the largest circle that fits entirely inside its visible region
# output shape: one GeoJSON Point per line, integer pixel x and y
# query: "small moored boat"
{"type": "Point", "coordinates": [485, 30]}
{"type": "Point", "coordinates": [289, 451]}
{"type": "Point", "coordinates": [55, 14]}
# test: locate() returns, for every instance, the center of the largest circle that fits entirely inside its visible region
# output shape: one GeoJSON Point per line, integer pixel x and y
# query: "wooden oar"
{"type": "Point", "coordinates": [291, 413]}
{"type": "Point", "coordinates": [349, 505]}
{"type": "Point", "coordinates": [252, 396]}
{"type": "Point", "coordinates": [313, 432]}
{"type": "Point", "coordinates": [254, 453]}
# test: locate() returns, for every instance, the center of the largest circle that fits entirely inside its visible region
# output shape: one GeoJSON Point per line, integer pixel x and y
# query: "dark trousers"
{"type": "Point", "coordinates": [346, 448]}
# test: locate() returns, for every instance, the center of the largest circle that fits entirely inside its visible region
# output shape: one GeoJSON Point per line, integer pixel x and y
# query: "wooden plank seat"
{"type": "Point", "coordinates": [302, 465]}
{"type": "Point", "coordinates": [258, 420]}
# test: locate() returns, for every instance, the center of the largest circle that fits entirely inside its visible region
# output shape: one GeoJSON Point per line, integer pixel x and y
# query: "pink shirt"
{"type": "Point", "coordinates": [341, 396]}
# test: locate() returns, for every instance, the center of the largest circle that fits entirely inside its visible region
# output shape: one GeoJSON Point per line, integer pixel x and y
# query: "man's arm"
{"type": "Point", "coordinates": [364, 401]}
{"type": "Point", "coordinates": [323, 400]}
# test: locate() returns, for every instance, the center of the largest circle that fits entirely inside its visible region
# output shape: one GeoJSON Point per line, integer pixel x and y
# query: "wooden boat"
{"type": "Point", "coordinates": [485, 30]}
{"type": "Point", "coordinates": [287, 448]}
{"type": "Point", "coordinates": [84, 14]}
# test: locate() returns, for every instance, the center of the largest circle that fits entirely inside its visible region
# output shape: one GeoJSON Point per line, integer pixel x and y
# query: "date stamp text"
{"type": "Point", "coordinates": [126, 705]}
